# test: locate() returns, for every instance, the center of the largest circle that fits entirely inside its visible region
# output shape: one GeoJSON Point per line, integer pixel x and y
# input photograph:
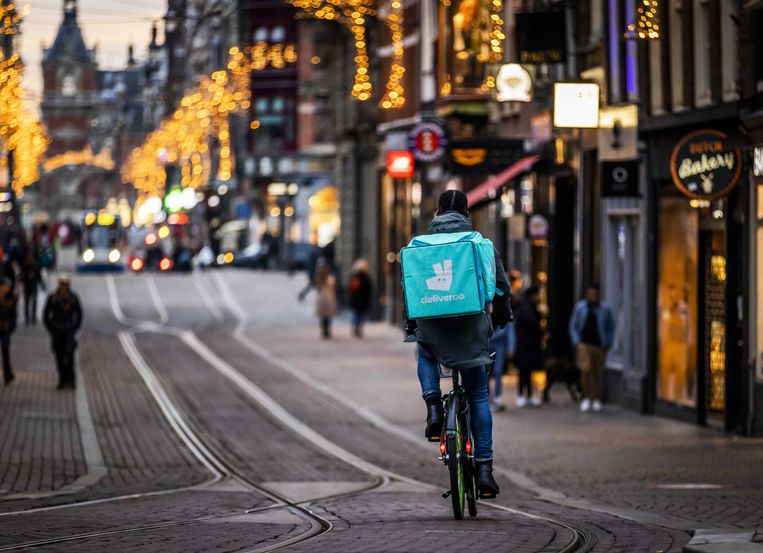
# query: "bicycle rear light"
{"type": "Point", "coordinates": [468, 447]}
{"type": "Point", "coordinates": [442, 448]}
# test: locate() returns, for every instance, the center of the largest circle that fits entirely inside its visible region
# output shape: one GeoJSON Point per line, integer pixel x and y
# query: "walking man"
{"type": "Point", "coordinates": [592, 331]}
{"type": "Point", "coordinates": [8, 300]}
{"type": "Point", "coordinates": [62, 318]}
{"type": "Point", "coordinates": [31, 278]}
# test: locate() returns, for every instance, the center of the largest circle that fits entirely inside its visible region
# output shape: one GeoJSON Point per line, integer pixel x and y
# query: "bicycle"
{"type": "Point", "coordinates": [457, 448]}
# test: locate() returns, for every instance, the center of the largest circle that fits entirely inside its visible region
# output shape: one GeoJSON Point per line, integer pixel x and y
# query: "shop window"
{"type": "Point", "coordinates": [677, 302]}
{"type": "Point", "coordinates": [323, 221]}
{"type": "Point", "coordinates": [622, 291]}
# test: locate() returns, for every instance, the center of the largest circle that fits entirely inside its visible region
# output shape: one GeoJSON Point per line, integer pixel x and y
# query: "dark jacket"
{"type": "Point", "coordinates": [529, 335]}
{"type": "Point", "coordinates": [63, 314]}
{"type": "Point", "coordinates": [31, 276]}
{"type": "Point", "coordinates": [460, 342]}
{"type": "Point", "coordinates": [360, 289]}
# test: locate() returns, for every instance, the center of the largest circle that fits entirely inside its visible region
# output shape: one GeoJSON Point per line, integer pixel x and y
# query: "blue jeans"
{"type": "Point", "coordinates": [499, 347]}
{"type": "Point", "coordinates": [475, 383]}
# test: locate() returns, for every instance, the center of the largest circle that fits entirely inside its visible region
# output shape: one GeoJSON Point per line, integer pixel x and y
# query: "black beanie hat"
{"type": "Point", "coordinates": [453, 200]}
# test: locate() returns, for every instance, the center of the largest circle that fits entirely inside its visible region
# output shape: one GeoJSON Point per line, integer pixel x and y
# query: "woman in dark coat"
{"type": "Point", "coordinates": [359, 289]}
{"type": "Point", "coordinates": [529, 355]}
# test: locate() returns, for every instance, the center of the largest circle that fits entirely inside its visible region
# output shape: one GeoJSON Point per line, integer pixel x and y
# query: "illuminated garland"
{"type": "Point", "coordinates": [394, 96]}
{"type": "Point", "coordinates": [183, 138]}
{"type": "Point", "coordinates": [20, 128]}
{"type": "Point", "coordinates": [496, 33]}
{"type": "Point", "coordinates": [647, 25]}
{"type": "Point", "coordinates": [11, 19]}
{"type": "Point", "coordinates": [353, 14]}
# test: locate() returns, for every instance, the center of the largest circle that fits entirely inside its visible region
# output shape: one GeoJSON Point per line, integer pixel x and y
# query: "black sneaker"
{"type": "Point", "coordinates": [10, 377]}
{"type": "Point", "coordinates": [486, 484]}
{"type": "Point", "coordinates": [435, 417]}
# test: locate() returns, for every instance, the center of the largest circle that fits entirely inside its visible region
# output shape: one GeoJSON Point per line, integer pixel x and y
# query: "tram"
{"type": "Point", "coordinates": [100, 242]}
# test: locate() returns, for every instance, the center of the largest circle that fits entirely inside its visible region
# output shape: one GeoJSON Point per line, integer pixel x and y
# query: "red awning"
{"type": "Point", "coordinates": [484, 190]}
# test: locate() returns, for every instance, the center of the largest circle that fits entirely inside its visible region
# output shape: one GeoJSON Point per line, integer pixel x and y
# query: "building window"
{"type": "Point", "coordinates": [261, 34]}
{"type": "Point", "coordinates": [615, 35]}
{"type": "Point", "coordinates": [277, 119]}
{"type": "Point", "coordinates": [702, 54]}
{"type": "Point", "coordinates": [469, 44]}
{"type": "Point", "coordinates": [729, 51]}
{"type": "Point", "coordinates": [278, 34]}
{"type": "Point", "coordinates": [676, 54]}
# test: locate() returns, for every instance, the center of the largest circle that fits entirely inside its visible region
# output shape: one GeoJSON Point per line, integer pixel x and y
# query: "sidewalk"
{"type": "Point", "coordinates": [649, 468]}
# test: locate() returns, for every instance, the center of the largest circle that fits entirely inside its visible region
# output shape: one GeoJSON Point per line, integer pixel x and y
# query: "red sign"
{"type": "Point", "coordinates": [400, 164]}
{"type": "Point", "coordinates": [427, 140]}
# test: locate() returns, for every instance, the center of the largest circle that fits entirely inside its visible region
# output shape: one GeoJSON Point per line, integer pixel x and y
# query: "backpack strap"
{"type": "Point", "coordinates": [469, 237]}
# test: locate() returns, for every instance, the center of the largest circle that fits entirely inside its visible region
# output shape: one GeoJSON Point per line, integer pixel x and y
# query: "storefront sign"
{"type": "Point", "coordinates": [483, 157]}
{"type": "Point", "coordinates": [618, 132]}
{"type": "Point", "coordinates": [400, 164]}
{"type": "Point", "coordinates": [513, 84]}
{"type": "Point", "coordinates": [757, 161]}
{"type": "Point", "coordinates": [620, 178]}
{"type": "Point", "coordinates": [427, 141]}
{"type": "Point", "coordinates": [537, 227]}
{"type": "Point", "coordinates": [702, 167]}
{"type": "Point", "coordinates": [541, 37]}
{"type": "Point", "coordinates": [576, 105]}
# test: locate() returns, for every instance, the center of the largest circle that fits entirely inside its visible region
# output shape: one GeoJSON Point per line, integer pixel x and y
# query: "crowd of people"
{"type": "Point", "coordinates": [23, 268]}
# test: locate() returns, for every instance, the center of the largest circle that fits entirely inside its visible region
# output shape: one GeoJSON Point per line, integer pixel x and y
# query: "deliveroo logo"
{"type": "Point", "coordinates": [443, 278]}
{"type": "Point", "coordinates": [441, 282]}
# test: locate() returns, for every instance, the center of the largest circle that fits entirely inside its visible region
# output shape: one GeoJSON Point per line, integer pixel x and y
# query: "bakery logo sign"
{"type": "Point", "coordinates": [703, 167]}
{"type": "Point", "coordinates": [757, 161]}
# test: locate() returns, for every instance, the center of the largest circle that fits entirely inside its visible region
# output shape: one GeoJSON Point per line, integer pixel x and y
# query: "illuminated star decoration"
{"type": "Point", "coordinates": [20, 128]}
{"type": "Point", "coordinates": [353, 14]}
{"type": "Point", "coordinates": [183, 139]}
{"type": "Point", "coordinates": [647, 24]}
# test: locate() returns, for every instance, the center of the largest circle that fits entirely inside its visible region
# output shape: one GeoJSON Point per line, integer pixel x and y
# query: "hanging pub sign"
{"type": "Point", "coordinates": [427, 141]}
{"type": "Point", "coordinates": [541, 37]}
{"type": "Point", "coordinates": [483, 156]}
{"type": "Point", "coordinates": [702, 167]}
{"type": "Point", "coordinates": [619, 178]}
{"type": "Point", "coordinates": [513, 84]}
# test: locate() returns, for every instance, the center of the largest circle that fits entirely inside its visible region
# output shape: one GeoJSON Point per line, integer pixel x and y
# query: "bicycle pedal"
{"type": "Point", "coordinates": [447, 494]}
{"type": "Point", "coordinates": [486, 495]}
{"type": "Point", "coordinates": [433, 439]}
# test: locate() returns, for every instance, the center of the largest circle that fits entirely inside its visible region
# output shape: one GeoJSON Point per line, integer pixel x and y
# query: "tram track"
{"type": "Point", "coordinates": [221, 469]}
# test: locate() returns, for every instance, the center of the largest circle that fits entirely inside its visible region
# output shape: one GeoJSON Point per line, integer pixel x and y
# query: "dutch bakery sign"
{"type": "Point", "coordinates": [702, 167]}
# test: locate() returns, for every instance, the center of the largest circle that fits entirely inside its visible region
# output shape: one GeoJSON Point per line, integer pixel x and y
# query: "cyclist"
{"type": "Point", "coordinates": [461, 343]}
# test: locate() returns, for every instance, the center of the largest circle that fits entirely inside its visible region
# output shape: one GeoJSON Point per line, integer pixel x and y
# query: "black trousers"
{"type": "Point", "coordinates": [525, 387]}
{"type": "Point", "coordinates": [64, 346]}
{"type": "Point", "coordinates": [5, 346]}
{"type": "Point", "coordinates": [326, 327]}
{"type": "Point", "coordinates": [30, 305]}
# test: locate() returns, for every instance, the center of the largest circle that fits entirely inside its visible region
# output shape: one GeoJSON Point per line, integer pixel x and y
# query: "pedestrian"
{"type": "Point", "coordinates": [325, 304]}
{"type": "Point", "coordinates": [62, 318]}
{"type": "Point", "coordinates": [529, 348]}
{"type": "Point", "coordinates": [360, 289]}
{"type": "Point", "coordinates": [8, 301]}
{"type": "Point", "coordinates": [31, 278]}
{"type": "Point", "coordinates": [504, 342]}
{"type": "Point", "coordinates": [592, 332]}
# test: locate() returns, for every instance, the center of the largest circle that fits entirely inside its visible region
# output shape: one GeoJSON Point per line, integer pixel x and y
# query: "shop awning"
{"type": "Point", "coordinates": [483, 191]}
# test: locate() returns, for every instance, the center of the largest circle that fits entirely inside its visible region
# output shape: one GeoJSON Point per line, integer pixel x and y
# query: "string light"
{"type": "Point", "coordinates": [354, 15]}
{"type": "Point", "coordinates": [202, 115]}
{"type": "Point", "coordinates": [394, 95]}
{"type": "Point", "coordinates": [647, 25]}
{"type": "Point", "coordinates": [497, 35]}
{"type": "Point", "coordinates": [20, 128]}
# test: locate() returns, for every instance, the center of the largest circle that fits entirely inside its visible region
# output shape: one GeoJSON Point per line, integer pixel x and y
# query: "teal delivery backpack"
{"type": "Point", "coordinates": [448, 274]}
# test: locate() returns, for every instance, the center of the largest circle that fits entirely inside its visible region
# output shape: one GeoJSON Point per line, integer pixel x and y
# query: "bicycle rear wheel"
{"type": "Point", "coordinates": [456, 468]}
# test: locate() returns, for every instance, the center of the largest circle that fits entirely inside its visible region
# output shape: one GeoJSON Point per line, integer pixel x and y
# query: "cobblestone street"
{"type": "Point", "coordinates": [210, 416]}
